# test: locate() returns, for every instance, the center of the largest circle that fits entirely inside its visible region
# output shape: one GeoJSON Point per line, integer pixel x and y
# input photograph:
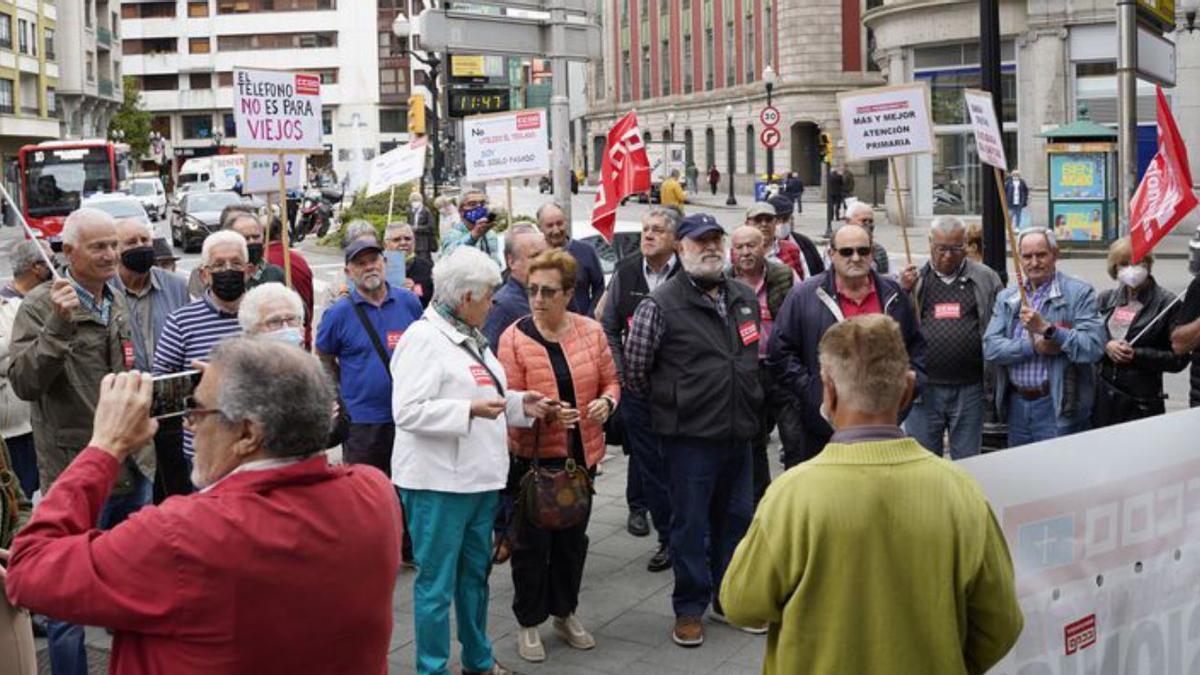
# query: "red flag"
{"type": "Point", "coordinates": [624, 171]}
{"type": "Point", "coordinates": [1165, 194]}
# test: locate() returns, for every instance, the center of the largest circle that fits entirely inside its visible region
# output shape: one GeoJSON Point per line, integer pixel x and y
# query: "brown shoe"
{"type": "Point", "coordinates": [689, 631]}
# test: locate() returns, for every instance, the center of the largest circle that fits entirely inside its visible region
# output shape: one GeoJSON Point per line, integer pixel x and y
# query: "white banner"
{"type": "Point", "coordinates": [506, 145]}
{"type": "Point", "coordinates": [262, 173]}
{"type": "Point", "coordinates": [399, 165]}
{"type": "Point", "coordinates": [886, 121]}
{"type": "Point", "coordinates": [1104, 531]}
{"type": "Point", "coordinates": [989, 142]}
{"type": "Point", "coordinates": [277, 110]}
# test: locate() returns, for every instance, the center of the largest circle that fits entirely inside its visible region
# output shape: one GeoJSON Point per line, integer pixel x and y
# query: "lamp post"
{"type": "Point", "coordinates": [989, 58]}
{"type": "Point", "coordinates": [403, 29]}
{"type": "Point", "coordinates": [768, 78]}
{"type": "Point", "coordinates": [730, 151]}
{"type": "Point", "coordinates": [671, 122]}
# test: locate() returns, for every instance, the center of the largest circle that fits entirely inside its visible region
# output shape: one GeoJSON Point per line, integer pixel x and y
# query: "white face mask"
{"type": "Point", "coordinates": [783, 230]}
{"type": "Point", "coordinates": [287, 334]}
{"type": "Point", "coordinates": [1133, 275]}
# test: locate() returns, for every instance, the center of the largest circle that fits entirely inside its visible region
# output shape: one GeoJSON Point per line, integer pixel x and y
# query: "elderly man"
{"type": "Point", "coordinates": [635, 278]}
{"type": "Point", "coordinates": [244, 219]}
{"type": "Point", "coordinates": [761, 216]}
{"type": "Point", "coordinates": [809, 262]}
{"type": "Point", "coordinates": [418, 271]}
{"type": "Point", "coordinates": [771, 281]}
{"type": "Point", "coordinates": [425, 242]}
{"type": "Point", "coordinates": [192, 331]}
{"type": "Point", "coordinates": [863, 215]}
{"type": "Point", "coordinates": [1044, 350]}
{"type": "Point", "coordinates": [474, 227]}
{"type": "Point", "coordinates": [851, 288]}
{"type": "Point", "coordinates": [164, 255]}
{"type": "Point", "coordinates": [166, 581]}
{"type": "Point", "coordinates": [589, 279]}
{"type": "Point", "coordinates": [522, 243]}
{"type": "Point", "coordinates": [67, 336]}
{"type": "Point", "coordinates": [692, 351]}
{"type": "Point", "coordinates": [954, 297]}
{"type": "Point", "coordinates": [875, 542]}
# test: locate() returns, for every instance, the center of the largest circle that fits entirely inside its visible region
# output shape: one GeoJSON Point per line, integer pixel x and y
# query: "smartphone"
{"type": "Point", "coordinates": [173, 393]}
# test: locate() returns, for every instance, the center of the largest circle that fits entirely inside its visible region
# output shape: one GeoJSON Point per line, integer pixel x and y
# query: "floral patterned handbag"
{"type": "Point", "coordinates": [552, 498]}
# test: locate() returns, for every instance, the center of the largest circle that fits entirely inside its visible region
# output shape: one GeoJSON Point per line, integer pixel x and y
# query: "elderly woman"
{"type": "Point", "coordinates": [1137, 314]}
{"type": "Point", "coordinates": [273, 311]}
{"type": "Point", "coordinates": [567, 356]}
{"type": "Point", "coordinates": [452, 405]}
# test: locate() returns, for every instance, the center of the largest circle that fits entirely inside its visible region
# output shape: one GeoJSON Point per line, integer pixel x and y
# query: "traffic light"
{"type": "Point", "coordinates": [416, 114]}
{"type": "Point", "coordinates": [826, 149]}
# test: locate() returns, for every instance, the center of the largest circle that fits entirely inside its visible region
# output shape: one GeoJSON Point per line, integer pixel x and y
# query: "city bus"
{"type": "Point", "coordinates": [56, 176]}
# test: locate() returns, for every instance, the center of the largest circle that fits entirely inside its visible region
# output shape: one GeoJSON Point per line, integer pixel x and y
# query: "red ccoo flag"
{"type": "Point", "coordinates": [624, 171]}
{"type": "Point", "coordinates": [1165, 194]}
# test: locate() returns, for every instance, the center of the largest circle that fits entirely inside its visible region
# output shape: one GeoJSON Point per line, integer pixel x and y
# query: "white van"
{"type": "Point", "coordinates": [152, 195]}
{"type": "Point", "coordinates": [210, 174]}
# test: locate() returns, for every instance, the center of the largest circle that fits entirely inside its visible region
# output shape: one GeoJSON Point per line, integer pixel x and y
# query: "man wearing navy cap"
{"type": "Point", "coordinates": [810, 257]}
{"type": "Point", "coordinates": [692, 350]}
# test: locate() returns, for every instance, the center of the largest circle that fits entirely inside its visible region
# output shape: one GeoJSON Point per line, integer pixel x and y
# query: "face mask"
{"type": "Point", "coordinates": [783, 230]}
{"type": "Point", "coordinates": [255, 252]}
{"type": "Point", "coordinates": [826, 416]}
{"type": "Point", "coordinates": [138, 260]}
{"type": "Point", "coordinates": [287, 334]}
{"type": "Point", "coordinates": [1133, 275]}
{"type": "Point", "coordinates": [228, 285]}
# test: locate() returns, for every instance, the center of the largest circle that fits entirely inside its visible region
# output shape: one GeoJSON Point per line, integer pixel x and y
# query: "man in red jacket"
{"type": "Point", "coordinates": [302, 276]}
{"type": "Point", "coordinates": [281, 563]}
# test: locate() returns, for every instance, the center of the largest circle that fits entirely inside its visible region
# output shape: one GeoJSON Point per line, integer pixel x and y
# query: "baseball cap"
{"type": "Point", "coordinates": [782, 204]}
{"type": "Point", "coordinates": [697, 225]}
{"type": "Point", "coordinates": [760, 209]}
{"type": "Point", "coordinates": [358, 246]}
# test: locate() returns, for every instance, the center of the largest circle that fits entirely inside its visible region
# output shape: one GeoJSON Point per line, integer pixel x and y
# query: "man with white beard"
{"type": "Point", "coordinates": [692, 351]}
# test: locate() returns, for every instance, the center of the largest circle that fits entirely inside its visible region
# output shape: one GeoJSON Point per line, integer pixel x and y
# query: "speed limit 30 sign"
{"type": "Point", "coordinates": [769, 137]}
{"type": "Point", "coordinates": [769, 116]}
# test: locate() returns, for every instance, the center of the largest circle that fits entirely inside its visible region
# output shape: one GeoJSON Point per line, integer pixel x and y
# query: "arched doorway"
{"type": "Point", "coordinates": [710, 150]}
{"type": "Point", "coordinates": [806, 152]}
{"type": "Point", "coordinates": [689, 148]}
{"type": "Point", "coordinates": [751, 141]}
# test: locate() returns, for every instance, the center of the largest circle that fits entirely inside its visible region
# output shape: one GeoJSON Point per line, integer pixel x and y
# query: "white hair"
{"type": "Point", "coordinates": [1051, 239]}
{"type": "Point", "coordinates": [465, 270]}
{"type": "Point", "coordinates": [222, 237]}
{"type": "Point", "coordinates": [146, 227]}
{"type": "Point", "coordinates": [856, 207]}
{"type": "Point", "coordinates": [947, 225]}
{"type": "Point", "coordinates": [80, 217]}
{"type": "Point", "coordinates": [250, 310]}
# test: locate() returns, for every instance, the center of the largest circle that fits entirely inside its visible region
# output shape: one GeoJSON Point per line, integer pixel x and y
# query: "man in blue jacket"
{"type": "Point", "coordinates": [589, 280]}
{"type": "Point", "coordinates": [851, 288]}
{"type": "Point", "coordinates": [1044, 351]}
{"type": "Point", "coordinates": [522, 244]}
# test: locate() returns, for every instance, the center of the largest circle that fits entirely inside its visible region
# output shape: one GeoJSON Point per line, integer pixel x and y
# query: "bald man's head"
{"type": "Point", "coordinates": [749, 250]}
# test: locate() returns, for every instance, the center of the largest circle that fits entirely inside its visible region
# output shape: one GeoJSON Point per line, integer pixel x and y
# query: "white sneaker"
{"type": "Point", "coordinates": [529, 645]}
{"type": "Point", "coordinates": [572, 631]}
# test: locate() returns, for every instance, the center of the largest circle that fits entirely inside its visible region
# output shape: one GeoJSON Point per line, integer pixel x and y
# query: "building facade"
{"type": "Point", "coordinates": [88, 50]}
{"type": "Point", "coordinates": [29, 75]}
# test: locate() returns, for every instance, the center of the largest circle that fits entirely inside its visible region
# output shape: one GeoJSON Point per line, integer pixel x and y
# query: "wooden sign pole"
{"type": "Point", "coordinates": [284, 234]}
{"type": "Point", "coordinates": [391, 204]}
{"type": "Point", "coordinates": [1012, 237]}
{"type": "Point", "coordinates": [900, 209]}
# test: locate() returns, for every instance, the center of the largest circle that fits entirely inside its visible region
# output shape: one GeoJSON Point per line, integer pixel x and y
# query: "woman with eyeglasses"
{"type": "Point", "coordinates": [566, 356]}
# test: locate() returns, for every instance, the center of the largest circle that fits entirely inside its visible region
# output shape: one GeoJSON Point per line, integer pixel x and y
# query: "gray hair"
{"type": "Point", "coordinates": [510, 237]}
{"type": "Point", "coordinates": [669, 215]}
{"type": "Point", "coordinates": [145, 226]}
{"type": "Point", "coordinates": [232, 212]}
{"type": "Point", "coordinates": [280, 387]}
{"type": "Point", "coordinates": [222, 237]}
{"type": "Point", "coordinates": [23, 256]}
{"type": "Point", "coordinates": [396, 225]}
{"type": "Point", "coordinates": [80, 217]}
{"type": "Point", "coordinates": [1046, 232]}
{"type": "Point", "coordinates": [357, 228]}
{"type": "Point", "coordinates": [860, 206]}
{"type": "Point", "coordinates": [250, 310]}
{"type": "Point", "coordinates": [465, 270]}
{"type": "Point", "coordinates": [547, 205]}
{"type": "Point", "coordinates": [947, 225]}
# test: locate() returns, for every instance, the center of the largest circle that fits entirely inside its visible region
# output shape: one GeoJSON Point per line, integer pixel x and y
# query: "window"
{"type": "Point", "coordinates": [5, 31]}
{"type": "Point", "coordinates": [151, 10]}
{"type": "Point", "coordinates": [230, 125]}
{"type": "Point", "coordinates": [664, 65]}
{"type": "Point", "coordinates": [251, 6]}
{"type": "Point", "coordinates": [626, 75]}
{"type": "Point", "coordinates": [161, 124]}
{"type": "Point", "coordinates": [236, 43]}
{"type": "Point", "coordinates": [730, 50]}
{"type": "Point", "coordinates": [646, 71]}
{"type": "Point", "coordinates": [392, 81]}
{"type": "Point", "coordinates": [198, 9]}
{"type": "Point", "coordinates": [197, 126]}
{"type": "Point", "coordinates": [89, 9]}
{"type": "Point", "coordinates": [748, 44]}
{"type": "Point", "coordinates": [23, 36]}
{"type": "Point", "coordinates": [199, 45]}
{"type": "Point", "coordinates": [688, 77]}
{"type": "Point", "coordinates": [708, 59]}
{"type": "Point", "coordinates": [768, 36]}
{"type": "Point", "coordinates": [48, 34]}
{"type": "Point", "coordinates": [6, 96]}
{"type": "Point", "coordinates": [51, 101]}
{"type": "Point", "coordinates": [393, 120]}
{"type": "Point", "coordinates": [225, 79]}
{"type": "Point", "coordinates": [159, 82]}
{"type": "Point", "coordinates": [90, 66]}
{"type": "Point", "coordinates": [200, 81]}
{"type": "Point", "coordinates": [326, 121]}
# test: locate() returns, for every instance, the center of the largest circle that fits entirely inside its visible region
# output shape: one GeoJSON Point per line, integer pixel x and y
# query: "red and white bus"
{"type": "Point", "coordinates": [57, 175]}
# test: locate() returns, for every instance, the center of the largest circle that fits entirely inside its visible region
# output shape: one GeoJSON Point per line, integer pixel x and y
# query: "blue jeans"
{"type": "Point", "coordinates": [65, 640]}
{"type": "Point", "coordinates": [1015, 212]}
{"type": "Point", "coordinates": [957, 408]}
{"type": "Point", "coordinates": [452, 547]}
{"type": "Point", "coordinates": [647, 485]}
{"type": "Point", "coordinates": [711, 507]}
{"type": "Point", "coordinates": [1031, 421]}
{"type": "Point", "coordinates": [24, 462]}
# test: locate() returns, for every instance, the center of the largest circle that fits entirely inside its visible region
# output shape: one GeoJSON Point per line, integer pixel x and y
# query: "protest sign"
{"type": "Point", "coordinates": [988, 140]}
{"type": "Point", "coordinates": [399, 165]}
{"type": "Point", "coordinates": [886, 121]}
{"type": "Point", "coordinates": [506, 145]}
{"type": "Point", "coordinates": [277, 110]}
{"type": "Point", "coordinates": [262, 173]}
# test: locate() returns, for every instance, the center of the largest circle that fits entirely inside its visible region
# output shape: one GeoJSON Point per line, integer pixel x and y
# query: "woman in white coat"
{"type": "Point", "coordinates": [452, 407]}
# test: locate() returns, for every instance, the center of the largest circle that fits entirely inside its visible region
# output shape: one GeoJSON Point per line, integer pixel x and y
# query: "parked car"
{"type": "Point", "coordinates": [196, 215]}
{"type": "Point", "coordinates": [119, 206]}
{"type": "Point", "coordinates": [152, 195]}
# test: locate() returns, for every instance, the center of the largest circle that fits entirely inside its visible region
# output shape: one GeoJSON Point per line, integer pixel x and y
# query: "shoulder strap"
{"type": "Point", "coordinates": [362, 317]}
{"type": "Point", "coordinates": [480, 360]}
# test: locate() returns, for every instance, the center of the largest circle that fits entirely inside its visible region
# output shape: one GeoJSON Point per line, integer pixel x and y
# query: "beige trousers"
{"type": "Point", "coordinates": [17, 655]}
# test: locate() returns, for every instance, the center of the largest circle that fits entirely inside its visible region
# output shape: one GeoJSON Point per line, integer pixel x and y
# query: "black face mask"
{"type": "Point", "coordinates": [256, 253]}
{"type": "Point", "coordinates": [228, 285]}
{"type": "Point", "coordinates": [138, 260]}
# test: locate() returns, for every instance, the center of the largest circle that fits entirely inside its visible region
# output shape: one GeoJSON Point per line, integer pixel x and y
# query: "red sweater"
{"type": "Point", "coordinates": [302, 282]}
{"type": "Point", "coordinates": [280, 570]}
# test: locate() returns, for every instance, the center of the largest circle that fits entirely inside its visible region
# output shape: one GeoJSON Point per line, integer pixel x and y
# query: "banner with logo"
{"type": "Point", "coordinates": [277, 109]}
{"type": "Point", "coordinates": [506, 145]}
{"type": "Point", "coordinates": [401, 164]}
{"type": "Point", "coordinates": [886, 121]}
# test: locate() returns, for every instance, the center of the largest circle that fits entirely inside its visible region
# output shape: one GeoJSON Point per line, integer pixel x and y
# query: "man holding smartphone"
{"type": "Point", "coordinates": [474, 227]}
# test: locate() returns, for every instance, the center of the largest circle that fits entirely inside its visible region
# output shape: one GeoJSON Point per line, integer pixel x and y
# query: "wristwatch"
{"type": "Point", "coordinates": [1048, 334]}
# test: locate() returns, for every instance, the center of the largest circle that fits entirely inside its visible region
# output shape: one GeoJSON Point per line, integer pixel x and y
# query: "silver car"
{"type": "Point", "coordinates": [119, 206]}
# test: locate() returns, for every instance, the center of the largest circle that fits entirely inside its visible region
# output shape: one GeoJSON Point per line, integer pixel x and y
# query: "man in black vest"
{"type": "Point", "coordinates": [632, 281]}
{"type": "Point", "coordinates": [692, 349]}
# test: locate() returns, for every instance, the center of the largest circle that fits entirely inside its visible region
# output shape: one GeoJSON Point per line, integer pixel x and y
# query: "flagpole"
{"type": "Point", "coordinates": [1178, 298]}
{"type": "Point", "coordinates": [1012, 238]}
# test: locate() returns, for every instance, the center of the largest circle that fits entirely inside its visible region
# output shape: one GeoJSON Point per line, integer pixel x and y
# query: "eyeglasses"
{"type": "Point", "coordinates": [948, 250]}
{"type": "Point", "coordinates": [222, 267]}
{"type": "Point", "coordinates": [277, 322]}
{"type": "Point", "coordinates": [547, 292]}
{"type": "Point", "coordinates": [849, 251]}
{"type": "Point", "coordinates": [867, 222]}
{"type": "Point", "coordinates": [193, 413]}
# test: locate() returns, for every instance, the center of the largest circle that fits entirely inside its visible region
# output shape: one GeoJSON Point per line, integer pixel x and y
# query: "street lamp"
{"type": "Point", "coordinates": [402, 28]}
{"type": "Point", "coordinates": [768, 78]}
{"type": "Point", "coordinates": [731, 200]}
{"type": "Point", "coordinates": [671, 121]}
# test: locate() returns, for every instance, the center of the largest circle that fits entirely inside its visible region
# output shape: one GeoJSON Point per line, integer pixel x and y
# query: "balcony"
{"type": "Point", "coordinates": [106, 87]}
{"type": "Point", "coordinates": [103, 37]}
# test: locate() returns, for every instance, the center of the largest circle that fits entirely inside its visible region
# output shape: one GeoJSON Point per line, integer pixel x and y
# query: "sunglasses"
{"type": "Point", "coordinates": [547, 292]}
{"type": "Point", "coordinates": [849, 251]}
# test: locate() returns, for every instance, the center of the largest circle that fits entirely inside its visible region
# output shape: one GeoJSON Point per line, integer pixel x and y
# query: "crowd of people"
{"type": "Point", "coordinates": [473, 403]}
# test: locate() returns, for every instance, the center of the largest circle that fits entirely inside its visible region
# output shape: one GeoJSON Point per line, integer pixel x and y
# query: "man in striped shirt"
{"type": "Point", "coordinates": [192, 331]}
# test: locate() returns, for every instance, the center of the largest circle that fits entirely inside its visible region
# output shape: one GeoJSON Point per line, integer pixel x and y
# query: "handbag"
{"type": "Point", "coordinates": [553, 498]}
{"type": "Point", "coordinates": [11, 498]}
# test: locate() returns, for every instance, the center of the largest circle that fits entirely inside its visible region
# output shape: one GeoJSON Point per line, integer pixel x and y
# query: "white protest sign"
{"type": "Point", "coordinates": [399, 165]}
{"type": "Point", "coordinates": [506, 145]}
{"type": "Point", "coordinates": [1104, 532]}
{"type": "Point", "coordinates": [262, 173]}
{"type": "Point", "coordinates": [988, 141]}
{"type": "Point", "coordinates": [886, 121]}
{"type": "Point", "coordinates": [277, 110]}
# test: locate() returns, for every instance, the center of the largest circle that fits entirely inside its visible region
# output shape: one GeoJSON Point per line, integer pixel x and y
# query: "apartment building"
{"type": "Point", "coordinates": [86, 44]}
